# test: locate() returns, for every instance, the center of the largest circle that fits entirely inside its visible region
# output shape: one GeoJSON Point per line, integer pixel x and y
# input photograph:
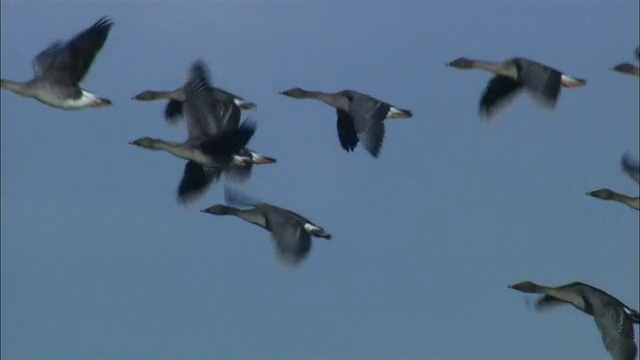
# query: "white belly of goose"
{"type": "Point", "coordinates": [50, 98]}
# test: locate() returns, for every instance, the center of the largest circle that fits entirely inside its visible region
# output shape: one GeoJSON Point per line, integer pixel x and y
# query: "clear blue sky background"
{"type": "Point", "coordinates": [99, 261]}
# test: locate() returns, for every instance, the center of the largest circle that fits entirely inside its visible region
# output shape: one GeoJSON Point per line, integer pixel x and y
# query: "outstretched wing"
{"type": "Point", "coordinates": [196, 180]}
{"type": "Point", "coordinates": [173, 111]}
{"type": "Point", "coordinates": [368, 115]}
{"type": "Point", "coordinates": [292, 243]}
{"type": "Point", "coordinates": [68, 63]}
{"type": "Point", "coordinates": [346, 131]}
{"type": "Point", "coordinates": [616, 329]}
{"type": "Point", "coordinates": [235, 197]}
{"type": "Point", "coordinates": [499, 92]}
{"type": "Point", "coordinates": [197, 103]}
{"type": "Point", "coordinates": [631, 166]}
{"type": "Point", "coordinates": [541, 81]}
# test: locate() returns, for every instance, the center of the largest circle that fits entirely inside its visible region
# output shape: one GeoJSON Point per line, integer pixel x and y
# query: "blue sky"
{"type": "Point", "coordinates": [99, 261]}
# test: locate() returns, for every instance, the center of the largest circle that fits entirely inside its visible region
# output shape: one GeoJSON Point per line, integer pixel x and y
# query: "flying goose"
{"type": "Point", "coordinates": [613, 318]}
{"type": "Point", "coordinates": [209, 152]}
{"type": "Point", "coordinates": [59, 69]}
{"type": "Point", "coordinates": [360, 116]}
{"type": "Point", "coordinates": [290, 232]}
{"type": "Point", "coordinates": [627, 68]}
{"type": "Point", "coordinates": [512, 76]}
{"type": "Point", "coordinates": [173, 110]}
{"type": "Point", "coordinates": [632, 168]}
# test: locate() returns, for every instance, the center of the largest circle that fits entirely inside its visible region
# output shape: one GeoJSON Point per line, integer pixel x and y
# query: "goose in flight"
{"type": "Point", "coordinates": [225, 113]}
{"type": "Point", "coordinates": [360, 116]}
{"type": "Point", "coordinates": [59, 69]}
{"type": "Point", "coordinates": [613, 318]}
{"type": "Point", "coordinates": [290, 232]}
{"type": "Point", "coordinates": [209, 151]}
{"type": "Point", "coordinates": [514, 75]}
{"type": "Point", "coordinates": [173, 109]}
{"type": "Point", "coordinates": [632, 168]}
{"type": "Point", "coordinates": [627, 68]}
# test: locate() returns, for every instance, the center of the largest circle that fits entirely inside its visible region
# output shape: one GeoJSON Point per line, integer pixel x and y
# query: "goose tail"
{"type": "Point", "coordinates": [396, 113]}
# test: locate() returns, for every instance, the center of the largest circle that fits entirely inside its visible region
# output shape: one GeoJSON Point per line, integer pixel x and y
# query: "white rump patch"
{"type": "Point", "coordinates": [311, 227]}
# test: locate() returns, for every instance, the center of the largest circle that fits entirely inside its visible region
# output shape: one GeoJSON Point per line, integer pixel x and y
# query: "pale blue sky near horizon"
{"type": "Point", "coordinates": [100, 262]}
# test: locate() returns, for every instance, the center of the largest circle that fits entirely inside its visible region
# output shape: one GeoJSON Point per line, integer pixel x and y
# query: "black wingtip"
{"type": "Point", "coordinates": [104, 23]}
{"type": "Point", "coordinates": [173, 111]}
{"type": "Point", "coordinates": [199, 77]}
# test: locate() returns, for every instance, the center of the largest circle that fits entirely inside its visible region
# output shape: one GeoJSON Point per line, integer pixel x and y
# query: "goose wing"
{"type": "Point", "coordinates": [346, 131]}
{"type": "Point", "coordinates": [238, 173]}
{"type": "Point", "coordinates": [499, 92]}
{"type": "Point", "coordinates": [68, 63]}
{"type": "Point", "coordinates": [229, 142]}
{"type": "Point", "coordinates": [196, 180]}
{"type": "Point", "coordinates": [616, 329]}
{"type": "Point", "coordinates": [547, 303]}
{"type": "Point", "coordinates": [631, 166]}
{"type": "Point", "coordinates": [292, 243]}
{"type": "Point", "coordinates": [541, 81]}
{"type": "Point", "coordinates": [368, 118]}
{"type": "Point", "coordinates": [173, 111]}
{"type": "Point", "coordinates": [197, 105]}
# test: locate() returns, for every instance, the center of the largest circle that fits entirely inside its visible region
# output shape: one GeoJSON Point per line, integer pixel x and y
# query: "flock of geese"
{"type": "Point", "coordinates": [217, 144]}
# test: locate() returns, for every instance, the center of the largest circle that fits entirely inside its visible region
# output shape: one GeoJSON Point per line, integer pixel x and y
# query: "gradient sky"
{"type": "Point", "coordinates": [100, 262]}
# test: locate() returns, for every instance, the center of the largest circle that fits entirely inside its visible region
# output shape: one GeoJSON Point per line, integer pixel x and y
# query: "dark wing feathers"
{"type": "Point", "coordinates": [197, 102]}
{"type": "Point", "coordinates": [230, 141]}
{"type": "Point", "coordinates": [68, 63]}
{"type": "Point", "coordinates": [196, 180]}
{"type": "Point", "coordinates": [541, 81]}
{"type": "Point", "coordinates": [368, 116]}
{"type": "Point", "coordinates": [548, 302]}
{"type": "Point", "coordinates": [292, 243]}
{"type": "Point", "coordinates": [210, 110]}
{"type": "Point", "coordinates": [346, 131]}
{"type": "Point", "coordinates": [173, 111]}
{"type": "Point", "coordinates": [630, 166]}
{"type": "Point", "coordinates": [499, 92]}
{"type": "Point", "coordinates": [616, 329]}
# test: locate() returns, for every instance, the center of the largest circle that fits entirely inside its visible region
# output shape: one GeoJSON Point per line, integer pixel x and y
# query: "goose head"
{"type": "Point", "coordinates": [147, 95]}
{"type": "Point", "coordinates": [144, 142]}
{"type": "Point", "coordinates": [296, 93]}
{"type": "Point", "coordinates": [604, 194]}
{"type": "Point", "coordinates": [525, 287]}
{"type": "Point", "coordinates": [217, 210]}
{"type": "Point", "coordinates": [461, 63]}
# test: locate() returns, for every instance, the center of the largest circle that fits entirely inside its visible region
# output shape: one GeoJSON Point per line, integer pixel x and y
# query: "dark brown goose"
{"type": "Point", "coordinates": [290, 232]}
{"type": "Point", "coordinates": [173, 110]}
{"type": "Point", "coordinates": [59, 69]}
{"type": "Point", "coordinates": [210, 151]}
{"type": "Point", "coordinates": [360, 116]}
{"type": "Point", "coordinates": [514, 75]}
{"type": "Point", "coordinates": [613, 318]}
